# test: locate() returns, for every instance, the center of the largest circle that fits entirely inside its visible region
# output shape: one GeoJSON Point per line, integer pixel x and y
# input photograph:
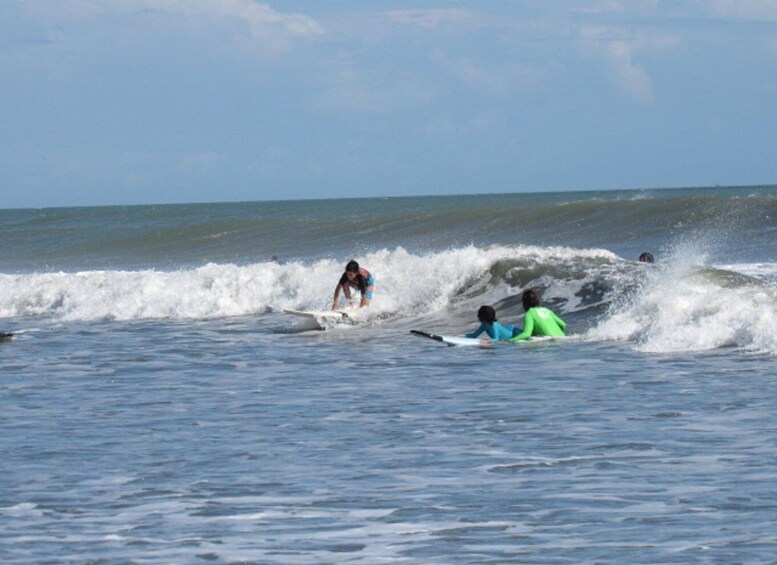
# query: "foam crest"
{"type": "Point", "coordinates": [407, 285]}
{"type": "Point", "coordinates": [685, 306]}
{"type": "Point", "coordinates": [209, 291]}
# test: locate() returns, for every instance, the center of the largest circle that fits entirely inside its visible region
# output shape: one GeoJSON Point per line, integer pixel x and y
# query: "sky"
{"type": "Point", "coordinates": [171, 101]}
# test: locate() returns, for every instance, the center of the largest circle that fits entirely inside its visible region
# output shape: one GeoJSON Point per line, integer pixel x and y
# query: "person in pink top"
{"type": "Point", "coordinates": [356, 278]}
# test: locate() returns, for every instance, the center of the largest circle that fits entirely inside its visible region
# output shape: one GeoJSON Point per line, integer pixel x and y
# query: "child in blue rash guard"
{"type": "Point", "coordinates": [495, 330]}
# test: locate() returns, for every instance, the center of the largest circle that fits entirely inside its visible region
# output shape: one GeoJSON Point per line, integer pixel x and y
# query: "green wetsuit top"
{"type": "Point", "coordinates": [540, 321]}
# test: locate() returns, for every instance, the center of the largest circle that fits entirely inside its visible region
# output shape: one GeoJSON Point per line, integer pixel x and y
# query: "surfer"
{"type": "Point", "coordinates": [357, 278]}
{"type": "Point", "coordinates": [538, 321]}
{"type": "Point", "coordinates": [488, 324]}
{"type": "Point", "coordinates": [646, 257]}
{"type": "Point", "coordinates": [6, 336]}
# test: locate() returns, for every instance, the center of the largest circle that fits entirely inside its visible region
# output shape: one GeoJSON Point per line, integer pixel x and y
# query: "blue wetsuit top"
{"type": "Point", "coordinates": [364, 282]}
{"type": "Point", "coordinates": [370, 284]}
{"type": "Point", "coordinates": [495, 331]}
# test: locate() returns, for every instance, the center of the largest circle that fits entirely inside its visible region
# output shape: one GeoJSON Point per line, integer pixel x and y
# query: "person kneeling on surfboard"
{"type": "Point", "coordinates": [488, 324]}
{"type": "Point", "coordinates": [357, 278]}
{"type": "Point", "coordinates": [539, 321]}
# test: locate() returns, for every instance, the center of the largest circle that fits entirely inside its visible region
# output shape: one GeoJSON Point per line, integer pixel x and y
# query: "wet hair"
{"type": "Point", "coordinates": [352, 267]}
{"type": "Point", "coordinates": [646, 257]}
{"type": "Point", "coordinates": [530, 299]}
{"type": "Point", "coordinates": [487, 315]}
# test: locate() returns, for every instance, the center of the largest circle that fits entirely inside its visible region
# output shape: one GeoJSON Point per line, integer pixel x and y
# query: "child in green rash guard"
{"type": "Point", "coordinates": [538, 321]}
{"type": "Point", "coordinates": [488, 324]}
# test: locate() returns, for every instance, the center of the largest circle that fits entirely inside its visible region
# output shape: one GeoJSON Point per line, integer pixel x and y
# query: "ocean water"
{"type": "Point", "coordinates": [157, 406]}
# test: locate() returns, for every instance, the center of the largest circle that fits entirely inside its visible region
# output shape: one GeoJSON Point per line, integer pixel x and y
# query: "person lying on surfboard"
{"type": "Point", "coordinates": [538, 321]}
{"type": "Point", "coordinates": [488, 324]}
{"type": "Point", "coordinates": [357, 278]}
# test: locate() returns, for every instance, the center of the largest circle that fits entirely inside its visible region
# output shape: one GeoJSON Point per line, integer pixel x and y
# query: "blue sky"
{"type": "Point", "coordinates": [157, 101]}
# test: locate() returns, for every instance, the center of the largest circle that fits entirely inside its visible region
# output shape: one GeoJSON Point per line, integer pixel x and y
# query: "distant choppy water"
{"type": "Point", "coordinates": [156, 406]}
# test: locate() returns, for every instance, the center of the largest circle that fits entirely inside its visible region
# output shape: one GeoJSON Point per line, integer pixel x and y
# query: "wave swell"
{"type": "Point", "coordinates": [678, 305]}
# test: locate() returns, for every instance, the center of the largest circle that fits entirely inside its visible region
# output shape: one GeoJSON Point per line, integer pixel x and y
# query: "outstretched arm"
{"type": "Point", "coordinates": [477, 332]}
{"type": "Point", "coordinates": [337, 294]}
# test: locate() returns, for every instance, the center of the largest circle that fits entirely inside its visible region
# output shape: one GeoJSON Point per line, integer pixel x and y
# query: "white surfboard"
{"type": "Point", "coordinates": [323, 319]}
{"type": "Point", "coordinates": [448, 339]}
{"type": "Point", "coordinates": [319, 314]}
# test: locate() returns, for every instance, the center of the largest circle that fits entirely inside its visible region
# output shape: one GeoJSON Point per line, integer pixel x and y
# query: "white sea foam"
{"type": "Point", "coordinates": [685, 306]}
{"type": "Point", "coordinates": [681, 304]}
{"type": "Point", "coordinates": [23, 509]}
{"type": "Point", "coordinates": [765, 270]}
{"type": "Point", "coordinates": [407, 284]}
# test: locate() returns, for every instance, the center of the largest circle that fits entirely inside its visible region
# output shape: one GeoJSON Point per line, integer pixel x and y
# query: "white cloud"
{"type": "Point", "coordinates": [758, 10]}
{"type": "Point", "coordinates": [618, 46]}
{"type": "Point", "coordinates": [429, 19]}
{"type": "Point", "coordinates": [260, 18]}
{"type": "Point", "coordinates": [630, 78]}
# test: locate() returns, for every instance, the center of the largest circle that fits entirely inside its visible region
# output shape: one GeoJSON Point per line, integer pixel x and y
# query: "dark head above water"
{"type": "Point", "coordinates": [530, 299]}
{"type": "Point", "coordinates": [487, 315]}
{"type": "Point", "coordinates": [352, 267]}
{"type": "Point", "coordinates": [646, 257]}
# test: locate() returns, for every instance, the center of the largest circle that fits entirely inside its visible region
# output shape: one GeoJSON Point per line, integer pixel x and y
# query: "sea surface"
{"type": "Point", "coordinates": [157, 406]}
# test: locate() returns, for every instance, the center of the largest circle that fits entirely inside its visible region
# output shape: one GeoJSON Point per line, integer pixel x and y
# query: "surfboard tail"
{"type": "Point", "coordinates": [426, 334]}
{"type": "Point", "coordinates": [449, 340]}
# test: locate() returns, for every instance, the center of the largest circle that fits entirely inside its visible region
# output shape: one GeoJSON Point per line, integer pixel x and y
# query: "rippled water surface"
{"type": "Point", "coordinates": [235, 440]}
{"type": "Point", "coordinates": [157, 407]}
